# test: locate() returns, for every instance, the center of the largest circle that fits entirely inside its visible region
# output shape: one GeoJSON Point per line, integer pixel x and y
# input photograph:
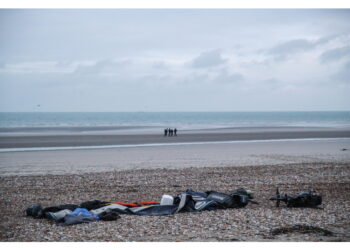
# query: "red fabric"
{"type": "Point", "coordinates": [136, 204]}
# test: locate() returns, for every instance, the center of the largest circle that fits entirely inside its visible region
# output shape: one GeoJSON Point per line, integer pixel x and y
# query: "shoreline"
{"type": "Point", "coordinates": [112, 138]}
{"type": "Point", "coordinates": [98, 147]}
{"type": "Point", "coordinates": [174, 156]}
{"type": "Point", "coordinates": [148, 129]}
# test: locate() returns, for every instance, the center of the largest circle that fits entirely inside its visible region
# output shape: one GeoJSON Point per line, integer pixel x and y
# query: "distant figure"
{"type": "Point", "coordinates": [165, 132]}
{"type": "Point", "coordinates": [171, 132]}
{"type": "Point", "coordinates": [175, 130]}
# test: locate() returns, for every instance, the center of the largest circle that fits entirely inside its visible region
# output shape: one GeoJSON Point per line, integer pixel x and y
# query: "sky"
{"type": "Point", "coordinates": [74, 60]}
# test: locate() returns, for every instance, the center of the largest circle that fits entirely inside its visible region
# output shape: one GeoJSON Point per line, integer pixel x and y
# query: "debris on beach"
{"type": "Point", "coordinates": [188, 201]}
{"type": "Point", "coordinates": [303, 199]}
{"type": "Point", "coordinates": [250, 223]}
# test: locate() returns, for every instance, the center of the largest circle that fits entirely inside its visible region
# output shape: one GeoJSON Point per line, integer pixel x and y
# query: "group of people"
{"type": "Point", "coordinates": [170, 132]}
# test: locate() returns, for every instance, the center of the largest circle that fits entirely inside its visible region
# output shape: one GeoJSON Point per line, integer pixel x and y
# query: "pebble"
{"type": "Point", "coordinates": [252, 223]}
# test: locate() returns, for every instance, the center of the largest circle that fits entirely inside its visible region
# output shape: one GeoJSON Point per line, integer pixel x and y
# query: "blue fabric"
{"type": "Point", "coordinates": [85, 213]}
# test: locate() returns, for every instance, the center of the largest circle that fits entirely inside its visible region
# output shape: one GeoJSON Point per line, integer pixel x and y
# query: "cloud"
{"type": "Point", "coordinates": [228, 78]}
{"type": "Point", "coordinates": [36, 67]}
{"type": "Point", "coordinates": [159, 65]}
{"type": "Point", "coordinates": [213, 80]}
{"type": "Point", "coordinates": [335, 54]}
{"type": "Point", "coordinates": [208, 59]}
{"type": "Point", "coordinates": [272, 83]}
{"type": "Point", "coordinates": [103, 66]}
{"type": "Point", "coordinates": [343, 75]}
{"type": "Point", "coordinates": [283, 50]}
{"type": "Point", "coordinates": [327, 39]}
{"type": "Point", "coordinates": [61, 64]}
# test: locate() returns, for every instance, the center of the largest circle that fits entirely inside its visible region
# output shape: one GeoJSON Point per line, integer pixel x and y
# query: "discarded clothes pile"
{"type": "Point", "coordinates": [189, 201]}
{"type": "Point", "coordinates": [71, 214]}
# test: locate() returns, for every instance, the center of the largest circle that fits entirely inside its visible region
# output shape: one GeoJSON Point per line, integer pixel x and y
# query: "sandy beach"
{"type": "Point", "coordinates": [97, 136]}
{"type": "Point", "coordinates": [146, 172]}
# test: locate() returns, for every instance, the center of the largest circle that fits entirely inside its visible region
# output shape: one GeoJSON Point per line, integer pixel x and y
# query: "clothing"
{"type": "Point", "coordinates": [58, 215]}
{"type": "Point", "coordinates": [95, 204]}
{"type": "Point", "coordinates": [79, 215]}
{"type": "Point", "coordinates": [154, 210]}
{"type": "Point", "coordinates": [115, 207]}
{"type": "Point", "coordinates": [84, 212]}
{"type": "Point", "coordinates": [75, 219]}
{"type": "Point", "coordinates": [109, 215]}
{"type": "Point", "coordinates": [36, 211]}
{"type": "Point", "coordinates": [188, 201]}
{"type": "Point", "coordinates": [55, 209]}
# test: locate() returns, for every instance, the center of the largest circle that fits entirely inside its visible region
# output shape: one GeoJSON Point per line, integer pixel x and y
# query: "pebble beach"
{"type": "Point", "coordinates": [263, 222]}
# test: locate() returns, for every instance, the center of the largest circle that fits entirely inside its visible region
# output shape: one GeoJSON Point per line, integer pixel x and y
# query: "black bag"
{"type": "Point", "coordinates": [241, 191]}
{"type": "Point", "coordinates": [35, 211]}
{"type": "Point", "coordinates": [109, 215]}
{"type": "Point", "coordinates": [222, 199]}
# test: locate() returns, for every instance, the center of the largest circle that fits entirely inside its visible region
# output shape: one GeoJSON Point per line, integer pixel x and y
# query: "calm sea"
{"type": "Point", "coordinates": [181, 120]}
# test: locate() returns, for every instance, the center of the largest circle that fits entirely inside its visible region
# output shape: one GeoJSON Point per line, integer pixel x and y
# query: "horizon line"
{"type": "Point", "coordinates": [192, 111]}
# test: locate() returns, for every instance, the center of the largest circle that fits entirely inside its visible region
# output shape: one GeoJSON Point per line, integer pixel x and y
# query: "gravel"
{"type": "Point", "coordinates": [252, 223]}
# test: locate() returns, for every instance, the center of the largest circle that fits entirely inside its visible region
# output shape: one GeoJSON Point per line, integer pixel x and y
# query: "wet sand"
{"type": "Point", "coordinates": [126, 137]}
{"type": "Point", "coordinates": [174, 156]}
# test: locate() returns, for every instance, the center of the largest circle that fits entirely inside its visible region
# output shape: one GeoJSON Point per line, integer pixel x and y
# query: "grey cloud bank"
{"type": "Point", "coordinates": [283, 50]}
{"type": "Point", "coordinates": [335, 54]}
{"type": "Point", "coordinates": [208, 59]}
{"type": "Point", "coordinates": [174, 60]}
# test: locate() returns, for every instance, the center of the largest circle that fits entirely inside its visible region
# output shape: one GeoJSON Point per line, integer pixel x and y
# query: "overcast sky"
{"type": "Point", "coordinates": [174, 60]}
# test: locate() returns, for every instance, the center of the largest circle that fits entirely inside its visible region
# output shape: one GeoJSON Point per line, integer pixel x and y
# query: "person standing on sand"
{"type": "Point", "coordinates": [175, 131]}
{"type": "Point", "coordinates": [165, 132]}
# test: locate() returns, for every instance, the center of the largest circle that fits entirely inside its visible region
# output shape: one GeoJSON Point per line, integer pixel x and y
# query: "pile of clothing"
{"type": "Point", "coordinates": [70, 214]}
{"type": "Point", "coordinates": [188, 201]}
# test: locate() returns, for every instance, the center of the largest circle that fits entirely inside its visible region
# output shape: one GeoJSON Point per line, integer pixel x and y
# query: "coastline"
{"type": "Point", "coordinates": [130, 174]}
{"type": "Point", "coordinates": [289, 158]}
{"type": "Point", "coordinates": [127, 136]}
{"type": "Point", "coordinates": [174, 156]}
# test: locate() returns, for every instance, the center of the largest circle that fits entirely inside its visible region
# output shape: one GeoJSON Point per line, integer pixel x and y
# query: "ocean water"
{"type": "Point", "coordinates": [181, 120]}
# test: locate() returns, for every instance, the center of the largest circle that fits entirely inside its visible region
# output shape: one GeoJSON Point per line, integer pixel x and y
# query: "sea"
{"type": "Point", "coordinates": [179, 120]}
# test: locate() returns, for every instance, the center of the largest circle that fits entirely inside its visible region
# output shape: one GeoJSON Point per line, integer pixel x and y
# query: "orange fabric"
{"type": "Point", "coordinates": [148, 203]}
{"type": "Point", "coordinates": [136, 204]}
{"type": "Point", "coordinates": [126, 204]}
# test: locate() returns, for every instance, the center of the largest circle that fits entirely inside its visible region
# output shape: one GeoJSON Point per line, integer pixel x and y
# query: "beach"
{"type": "Point", "coordinates": [144, 166]}
{"type": "Point", "coordinates": [102, 136]}
{"type": "Point", "coordinates": [131, 105]}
